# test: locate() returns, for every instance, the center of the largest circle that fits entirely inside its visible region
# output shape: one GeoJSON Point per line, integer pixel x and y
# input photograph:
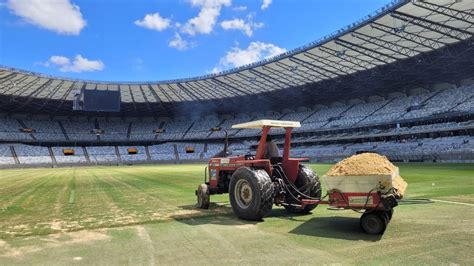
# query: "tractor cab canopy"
{"type": "Point", "coordinates": [259, 124]}
{"type": "Point", "coordinates": [290, 166]}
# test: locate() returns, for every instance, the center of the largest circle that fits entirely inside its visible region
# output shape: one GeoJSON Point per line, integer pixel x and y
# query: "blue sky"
{"type": "Point", "coordinates": [118, 40]}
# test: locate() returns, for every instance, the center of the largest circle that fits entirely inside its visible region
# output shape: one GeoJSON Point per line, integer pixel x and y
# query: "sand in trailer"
{"type": "Point", "coordinates": [366, 164]}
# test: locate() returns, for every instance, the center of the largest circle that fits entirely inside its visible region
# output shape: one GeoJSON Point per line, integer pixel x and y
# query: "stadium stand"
{"type": "Point", "coordinates": [77, 158]}
{"type": "Point", "coordinates": [398, 82]}
{"type": "Point", "coordinates": [102, 154]}
{"type": "Point", "coordinates": [6, 157]}
{"type": "Point", "coordinates": [445, 149]}
{"type": "Point", "coordinates": [80, 130]}
{"type": "Point", "coordinates": [10, 130]}
{"type": "Point", "coordinates": [32, 154]}
{"type": "Point", "coordinates": [361, 114]}
{"type": "Point", "coordinates": [212, 149]}
{"type": "Point", "coordinates": [201, 128]}
{"type": "Point", "coordinates": [127, 157]}
{"type": "Point", "coordinates": [175, 130]}
{"type": "Point", "coordinates": [45, 129]}
{"type": "Point", "coordinates": [141, 130]}
{"type": "Point", "coordinates": [227, 125]}
{"type": "Point", "coordinates": [116, 130]}
{"type": "Point", "coordinates": [163, 152]}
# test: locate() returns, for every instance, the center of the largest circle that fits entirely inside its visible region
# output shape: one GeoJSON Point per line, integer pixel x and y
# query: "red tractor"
{"type": "Point", "coordinates": [255, 183]}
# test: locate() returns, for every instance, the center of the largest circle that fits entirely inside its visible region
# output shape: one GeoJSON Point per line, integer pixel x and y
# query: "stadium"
{"type": "Point", "coordinates": [93, 167]}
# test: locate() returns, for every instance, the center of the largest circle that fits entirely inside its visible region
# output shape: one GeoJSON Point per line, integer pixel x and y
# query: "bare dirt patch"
{"type": "Point", "coordinates": [246, 226]}
{"type": "Point", "coordinates": [54, 241]}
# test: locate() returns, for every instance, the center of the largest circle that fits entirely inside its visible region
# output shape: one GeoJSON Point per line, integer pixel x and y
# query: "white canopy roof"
{"type": "Point", "coordinates": [272, 123]}
{"type": "Point", "coordinates": [400, 31]}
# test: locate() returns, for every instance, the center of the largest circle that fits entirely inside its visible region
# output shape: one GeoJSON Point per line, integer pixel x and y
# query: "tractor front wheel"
{"type": "Point", "coordinates": [251, 193]}
{"type": "Point", "coordinates": [203, 197]}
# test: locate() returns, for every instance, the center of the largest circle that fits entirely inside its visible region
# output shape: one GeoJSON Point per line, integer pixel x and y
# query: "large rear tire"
{"type": "Point", "coordinates": [251, 193]}
{"type": "Point", "coordinates": [308, 183]}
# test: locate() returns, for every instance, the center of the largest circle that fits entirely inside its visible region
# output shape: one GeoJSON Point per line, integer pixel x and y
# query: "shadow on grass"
{"type": "Point", "coordinates": [218, 213]}
{"type": "Point", "coordinates": [326, 227]}
{"type": "Point", "coordinates": [283, 214]}
{"type": "Point", "coordinates": [223, 219]}
{"type": "Point", "coordinates": [336, 227]}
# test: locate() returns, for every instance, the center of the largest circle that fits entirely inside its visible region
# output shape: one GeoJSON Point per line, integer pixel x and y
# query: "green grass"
{"type": "Point", "coordinates": [146, 215]}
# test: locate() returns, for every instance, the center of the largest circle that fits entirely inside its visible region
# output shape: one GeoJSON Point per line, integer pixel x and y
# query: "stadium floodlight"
{"type": "Point", "coordinates": [216, 128]}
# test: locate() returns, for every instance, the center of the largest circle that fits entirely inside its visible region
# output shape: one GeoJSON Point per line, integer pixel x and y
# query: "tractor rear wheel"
{"type": "Point", "coordinates": [308, 183]}
{"type": "Point", "coordinates": [251, 193]}
{"type": "Point", "coordinates": [203, 197]}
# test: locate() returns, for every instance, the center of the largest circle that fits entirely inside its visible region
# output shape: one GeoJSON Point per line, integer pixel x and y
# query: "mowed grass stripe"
{"type": "Point", "coordinates": [167, 177]}
{"type": "Point", "coordinates": [109, 197]}
{"type": "Point", "coordinates": [151, 183]}
{"type": "Point", "coordinates": [20, 184]}
{"type": "Point", "coordinates": [10, 174]}
{"type": "Point", "coordinates": [98, 197]}
{"type": "Point", "coordinates": [31, 211]}
{"type": "Point", "coordinates": [19, 194]}
{"type": "Point", "coordinates": [133, 192]}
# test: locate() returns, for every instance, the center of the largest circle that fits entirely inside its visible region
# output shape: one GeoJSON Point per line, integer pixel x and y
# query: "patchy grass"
{"type": "Point", "coordinates": [146, 215]}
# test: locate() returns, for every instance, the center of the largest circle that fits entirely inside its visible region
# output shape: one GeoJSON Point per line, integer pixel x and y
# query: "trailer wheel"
{"type": "Point", "coordinates": [203, 197]}
{"type": "Point", "coordinates": [251, 193]}
{"type": "Point", "coordinates": [308, 183]}
{"type": "Point", "coordinates": [374, 223]}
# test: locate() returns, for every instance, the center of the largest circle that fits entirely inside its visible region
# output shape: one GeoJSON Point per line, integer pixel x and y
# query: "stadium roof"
{"type": "Point", "coordinates": [383, 42]}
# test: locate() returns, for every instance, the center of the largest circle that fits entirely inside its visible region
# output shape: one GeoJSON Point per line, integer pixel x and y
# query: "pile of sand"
{"type": "Point", "coordinates": [369, 164]}
{"type": "Point", "coordinates": [363, 164]}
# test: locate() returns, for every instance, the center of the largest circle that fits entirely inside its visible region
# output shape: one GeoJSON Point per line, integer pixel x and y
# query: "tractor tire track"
{"type": "Point", "coordinates": [145, 237]}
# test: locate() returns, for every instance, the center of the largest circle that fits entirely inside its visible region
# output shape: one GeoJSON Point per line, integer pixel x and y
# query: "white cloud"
{"type": "Point", "coordinates": [266, 4]}
{"type": "Point", "coordinates": [178, 42]}
{"type": "Point", "coordinates": [60, 16]}
{"type": "Point", "coordinates": [205, 21]}
{"type": "Point", "coordinates": [154, 22]}
{"type": "Point", "coordinates": [59, 60]}
{"type": "Point", "coordinates": [239, 24]}
{"type": "Point", "coordinates": [240, 8]}
{"type": "Point", "coordinates": [79, 64]}
{"type": "Point", "coordinates": [256, 51]}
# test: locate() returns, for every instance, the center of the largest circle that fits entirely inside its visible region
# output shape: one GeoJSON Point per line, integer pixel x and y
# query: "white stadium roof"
{"type": "Point", "coordinates": [399, 31]}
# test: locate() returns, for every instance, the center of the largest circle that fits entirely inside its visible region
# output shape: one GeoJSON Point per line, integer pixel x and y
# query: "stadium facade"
{"type": "Point", "coordinates": [399, 82]}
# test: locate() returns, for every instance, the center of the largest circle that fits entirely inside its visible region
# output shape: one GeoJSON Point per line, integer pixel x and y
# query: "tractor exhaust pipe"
{"type": "Point", "coordinates": [223, 153]}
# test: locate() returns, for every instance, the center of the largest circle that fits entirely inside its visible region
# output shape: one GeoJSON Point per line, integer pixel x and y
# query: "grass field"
{"type": "Point", "coordinates": [145, 215]}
